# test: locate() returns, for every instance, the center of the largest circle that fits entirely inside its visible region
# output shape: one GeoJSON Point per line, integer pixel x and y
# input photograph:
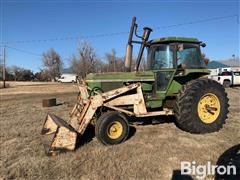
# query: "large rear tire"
{"type": "Point", "coordinates": [201, 106]}
{"type": "Point", "coordinates": [112, 128]}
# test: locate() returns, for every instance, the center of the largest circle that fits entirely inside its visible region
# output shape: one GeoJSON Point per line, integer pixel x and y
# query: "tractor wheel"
{"type": "Point", "coordinates": [201, 106]}
{"type": "Point", "coordinates": [112, 128]}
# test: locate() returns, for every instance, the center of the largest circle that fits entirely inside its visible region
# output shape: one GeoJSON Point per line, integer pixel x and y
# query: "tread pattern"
{"type": "Point", "coordinates": [185, 107]}
{"type": "Point", "coordinates": [100, 128]}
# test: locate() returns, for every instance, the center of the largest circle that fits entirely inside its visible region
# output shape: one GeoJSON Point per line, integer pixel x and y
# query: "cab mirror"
{"type": "Point", "coordinates": [203, 45]}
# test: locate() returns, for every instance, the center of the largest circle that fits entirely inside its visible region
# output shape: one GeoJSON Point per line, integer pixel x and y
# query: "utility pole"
{"type": "Point", "coordinates": [114, 64]}
{"type": "Point", "coordinates": [4, 67]}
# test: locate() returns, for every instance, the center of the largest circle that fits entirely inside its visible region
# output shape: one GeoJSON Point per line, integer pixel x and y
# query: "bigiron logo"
{"type": "Point", "coordinates": [201, 171]}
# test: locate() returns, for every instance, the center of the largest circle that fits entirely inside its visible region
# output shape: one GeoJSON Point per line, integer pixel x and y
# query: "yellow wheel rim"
{"type": "Point", "coordinates": [208, 108]}
{"type": "Point", "coordinates": [115, 130]}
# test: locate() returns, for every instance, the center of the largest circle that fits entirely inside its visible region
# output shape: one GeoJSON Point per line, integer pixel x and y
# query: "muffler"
{"type": "Point", "coordinates": [129, 49]}
{"type": "Point", "coordinates": [145, 36]}
{"type": "Point", "coordinates": [58, 135]}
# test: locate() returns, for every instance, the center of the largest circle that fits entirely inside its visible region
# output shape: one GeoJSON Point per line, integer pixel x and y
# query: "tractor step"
{"type": "Point", "coordinates": [57, 135]}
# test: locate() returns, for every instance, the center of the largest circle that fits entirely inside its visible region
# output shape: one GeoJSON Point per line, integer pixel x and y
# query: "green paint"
{"type": "Point", "coordinates": [147, 86]}
{"type": "Point", "coordinates": [169, 83]}
{"type": "Point", "coordinates": [109, 81]}
{"type": "Point", "coordinates": [174, 88]}
{"type": "Point", "coordinates": [118, 76]}
{"type": "Point", "coordinates": [202, 71]}
{"type": "Point", "coordinates": [174, 39]}
{"type": "Point", "coordinates": [94, 84]}
{"type": "Point", "coordinates": [154, 103]}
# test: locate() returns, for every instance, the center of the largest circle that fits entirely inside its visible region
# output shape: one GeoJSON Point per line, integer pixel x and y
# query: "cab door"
{"type": "Point", "coordinates": [162, 63]}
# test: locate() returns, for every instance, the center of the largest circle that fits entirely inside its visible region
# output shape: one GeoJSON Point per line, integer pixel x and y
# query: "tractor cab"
{"type": "Point", "coordinates": [171, 56]}
{"type": "Point", "coordinates": [175, 52]}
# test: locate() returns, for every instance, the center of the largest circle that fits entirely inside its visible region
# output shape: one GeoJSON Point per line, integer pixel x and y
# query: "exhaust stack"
{"type": "Point", "coordinates": [146, 34]}
{"type": "Point", "coordinates": [129, 49]}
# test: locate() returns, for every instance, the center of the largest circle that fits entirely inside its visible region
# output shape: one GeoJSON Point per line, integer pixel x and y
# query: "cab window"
{"type": "Point", "coordinates": [189, 56]}
{"type": "Point", "coordinates": [160, 56]}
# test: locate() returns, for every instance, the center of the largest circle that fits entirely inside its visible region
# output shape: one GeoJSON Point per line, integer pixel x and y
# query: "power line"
{"type": "Point", "coordinates": [109, 34]}
{"type": "Point", "coordinates": [24, 51]}
{"type": "Point", "coordinates": [119, 33]}
{"type": "Point", "coordinates": [35, 54]}
{"type": "Point", "coordinates": [199, 21]}
{"type": "Point", "coordinates": [66, 38]}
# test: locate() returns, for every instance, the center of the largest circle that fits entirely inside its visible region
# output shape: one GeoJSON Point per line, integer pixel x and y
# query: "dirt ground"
{"type": "Point", "coordinates": [152, 151]}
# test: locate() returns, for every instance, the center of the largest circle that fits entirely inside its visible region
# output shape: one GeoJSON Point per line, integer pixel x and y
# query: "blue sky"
{"type": "Point", "coordinates": [32, 20]}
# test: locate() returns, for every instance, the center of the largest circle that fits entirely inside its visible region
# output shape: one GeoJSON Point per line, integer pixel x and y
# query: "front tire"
{"type": "Point", "coordinates": [112, 128]}
{"type": "Point", "coordinates": [201, 106]}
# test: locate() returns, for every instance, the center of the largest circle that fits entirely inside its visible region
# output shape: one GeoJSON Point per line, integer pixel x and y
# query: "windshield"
{"type": "Point", "coordinates": [189, 56]}
{"type": "Point", "coordinates": [160, 56]}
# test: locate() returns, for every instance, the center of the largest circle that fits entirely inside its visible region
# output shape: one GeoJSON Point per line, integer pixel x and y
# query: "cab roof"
{"type": "Point", "coordinates": [174, 39]}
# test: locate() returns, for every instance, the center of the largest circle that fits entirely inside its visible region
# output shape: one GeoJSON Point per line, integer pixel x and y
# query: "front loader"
{"type": "Point", "coordinates": [174, 83]}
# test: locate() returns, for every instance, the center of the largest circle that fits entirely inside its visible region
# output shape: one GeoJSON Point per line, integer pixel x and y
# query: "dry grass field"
{"type": "Point", "coordinates": [152, 151]}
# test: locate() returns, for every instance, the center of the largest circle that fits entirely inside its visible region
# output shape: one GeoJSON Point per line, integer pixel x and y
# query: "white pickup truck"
{"type": "Point", "coordinates": [227, 79]}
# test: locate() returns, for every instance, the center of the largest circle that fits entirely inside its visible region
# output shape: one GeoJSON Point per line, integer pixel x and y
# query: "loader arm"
{"type": "Point", "coordinates": [59, 135]}
{"type": "Point", "coordinates": [86, 106]}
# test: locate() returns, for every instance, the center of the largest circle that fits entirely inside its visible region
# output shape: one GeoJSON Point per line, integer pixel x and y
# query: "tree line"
{"type": "Point", "coordinates": [83, 62]}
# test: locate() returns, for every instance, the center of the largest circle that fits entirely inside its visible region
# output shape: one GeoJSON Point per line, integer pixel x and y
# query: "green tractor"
{"type": "Point", "coordinates": [174, 83]}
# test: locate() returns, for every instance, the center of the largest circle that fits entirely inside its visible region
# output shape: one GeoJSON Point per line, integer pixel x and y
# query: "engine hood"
{"type": "Point", "coordinates": [113, 80]}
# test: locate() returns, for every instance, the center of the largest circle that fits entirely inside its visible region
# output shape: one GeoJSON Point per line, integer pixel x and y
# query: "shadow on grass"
{"type": "Point", "coordinates": [176, 175]}
{"type": "Point", "coordinates": [152, 120]}
{"type": "Point", "coordinates": [59, 104]}
{"type": "Point", "coordinates": [231, 157]}
{"type": "Point", "coordinates": [132, 131]}
{"type": "Point", "coordinates": [88, 136]}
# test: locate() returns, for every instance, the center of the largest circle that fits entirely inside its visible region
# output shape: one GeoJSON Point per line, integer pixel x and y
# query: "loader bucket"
{"type": "Point", "coordinates": [58, 135]}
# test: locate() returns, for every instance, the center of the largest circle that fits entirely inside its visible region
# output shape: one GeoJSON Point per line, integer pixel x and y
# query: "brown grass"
{"type": "Point", "coordinates": [153, 152]}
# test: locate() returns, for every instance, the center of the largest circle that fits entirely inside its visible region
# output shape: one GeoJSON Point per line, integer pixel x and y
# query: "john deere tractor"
{"type": "Point", "coordinates": [174, 83]}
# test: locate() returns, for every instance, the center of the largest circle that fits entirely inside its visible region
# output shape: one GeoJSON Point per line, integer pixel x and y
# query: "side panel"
{"type": "Point", "coordinates": [163, 79]}
{"type": "Point", "coordinates": [110, 81]}
{"type": "Point", "coordinates": [175, 85]}
{"type": "Point", "coordinates": [174, 88]}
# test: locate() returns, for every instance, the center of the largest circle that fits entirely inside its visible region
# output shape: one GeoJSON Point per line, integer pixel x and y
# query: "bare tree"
{"type": "Point", "coordinates": [76, 65]}
{"type": "Point", "coordinates": [42, 75]}
{"type": "Point", "coordinates": [98, 66]}
{"type": "Point", "coordinates": [120, 65]}
{"type": "Point", "coordinates": [111, 59]}
{"type": "Point", "coordinates": [52, 63]}
{"type": "Point", "coordinates": [19, 74]}
{"type": "Point", "coordinates": [8, 73]}
{"type": "Point", "coordinates": [143, 63]}
{"type": "Point", "coordinates": [86, 61]}
{"type": "Point", "coordinates": [115, 64]}
{"type": "Point", "coordinates": [204, 58]}
{"type": "Point", "coordinates": [15, 70]}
